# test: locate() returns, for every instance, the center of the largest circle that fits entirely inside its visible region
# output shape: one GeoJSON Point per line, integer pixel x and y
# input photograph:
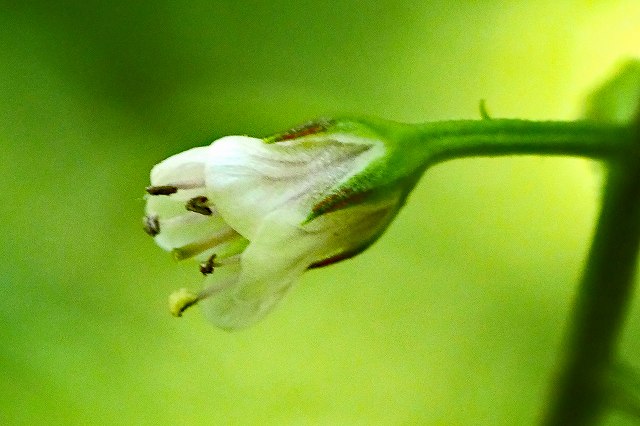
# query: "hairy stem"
{"type": "Point", "coordinates": [457, 139]}
{"type": "Point", "coordinates": [608, 278]}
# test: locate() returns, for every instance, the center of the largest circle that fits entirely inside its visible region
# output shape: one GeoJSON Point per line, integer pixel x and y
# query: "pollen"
{"type": "Point", "coordinates": [199, 205]}
{"type": "Point", "coordinates": [162, 190]}
{"type": "Point", "coordinates": [180, 300]}
{"type": "Point", "coordinates": [151, 225]}
{"type": "Point", "coordinates": [206, 268]}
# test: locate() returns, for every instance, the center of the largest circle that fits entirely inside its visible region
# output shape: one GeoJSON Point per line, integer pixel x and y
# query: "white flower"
{"type": "Point", "coordinates": [261, 212]}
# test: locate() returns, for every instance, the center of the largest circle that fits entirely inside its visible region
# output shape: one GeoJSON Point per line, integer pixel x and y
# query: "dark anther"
{"type": "Point", "coordinates": [207, 267]}
{"type": "Point", "coordinates": [199, 205]}
{"type": "Point", "coordinates": [151, 225]}
{"type": "Point", "coordinates": [162, 190]}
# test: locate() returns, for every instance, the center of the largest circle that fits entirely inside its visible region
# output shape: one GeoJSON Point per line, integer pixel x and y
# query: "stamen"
{"type": "Point", "coordinates": [199, 205]}
{"type": "Point", "coordinates": [174, 187]}
{"type": "Point", "coordinates": [209, 266]}
{"type": "Point", "coordinates": [182, 299]}
{"type": "Point", "coordinates": [198, 247]}
{"type": "Point", "coordinates": [151, 225]}
{"type": "Point", "coordinates": [206, 268]}
{"type": "Point", "coordinates": [162, 190]}
{"type": "Point", "coordinates": [231, 260]}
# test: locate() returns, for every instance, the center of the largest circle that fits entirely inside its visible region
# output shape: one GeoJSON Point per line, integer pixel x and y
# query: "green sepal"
{"type": "Point", "coordinates": [314, 127]}
{"type": "Point", "coordinates": [396, 170]}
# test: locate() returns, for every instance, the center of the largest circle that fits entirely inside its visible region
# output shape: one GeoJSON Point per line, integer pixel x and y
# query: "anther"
{"type": "Point", "coordinates": [162, 190]}
{"type": "Point", "coordinates": [207, 267]}
{"type": "Point", "coordinates": [151, 225]}
{"type": "Point", "coordinates": [180, 300]}
{"type": "Point", "coordinates": [199, 205]}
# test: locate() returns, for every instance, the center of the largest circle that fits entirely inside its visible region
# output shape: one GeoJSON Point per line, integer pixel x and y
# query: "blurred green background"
{"type": "Point", "coordinates": [455, 317]}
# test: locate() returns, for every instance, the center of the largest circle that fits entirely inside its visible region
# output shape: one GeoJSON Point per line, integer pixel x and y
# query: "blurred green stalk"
{"type": "Point", "coordinates": [604, 294]}
{"type": "Point", "coordinates": [603, 299]}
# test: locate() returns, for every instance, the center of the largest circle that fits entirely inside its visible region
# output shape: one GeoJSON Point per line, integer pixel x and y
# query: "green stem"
{"type": "Point", "coordinates": [609, 275]}
{"type": "Point", "coordinates": [457, 139]}
{"type": "Point", "coordinates": [602, 300]}
{"type": "Point", "coordinates": [624, 389]}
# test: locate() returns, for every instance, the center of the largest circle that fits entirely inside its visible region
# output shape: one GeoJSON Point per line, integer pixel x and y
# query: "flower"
{"type": "Point", "coordinates": [262, 211]}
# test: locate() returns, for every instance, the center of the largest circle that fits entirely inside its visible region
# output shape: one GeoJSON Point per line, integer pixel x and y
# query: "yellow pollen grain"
{"type": "Point", "coordinates": [180, 300]}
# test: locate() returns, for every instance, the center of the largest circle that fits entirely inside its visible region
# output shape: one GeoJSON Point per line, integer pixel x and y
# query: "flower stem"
{"type": "Point", "coordinates": [608, 278]}
{"type": "Point", "coordinates": [496, 137]}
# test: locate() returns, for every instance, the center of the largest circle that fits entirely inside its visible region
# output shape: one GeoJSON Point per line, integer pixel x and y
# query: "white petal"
{"type": "Point", "coordinates": [268, 270]}
{"type": "Point", "coordinates": [281, 251]}
{"type": "Point", "coordinates": [186, 168]}
{"type": "Point", "coordinates": [180, 230]}
{"type": "Point", "coordinates": [250, 179]}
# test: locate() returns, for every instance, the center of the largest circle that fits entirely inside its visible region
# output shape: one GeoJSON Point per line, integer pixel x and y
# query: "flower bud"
{"type": "Point", "coordinates": [257, 213]}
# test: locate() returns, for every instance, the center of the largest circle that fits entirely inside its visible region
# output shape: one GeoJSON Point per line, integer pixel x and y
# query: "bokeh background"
{"type": "Point", "coordinates": [455, 317]}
